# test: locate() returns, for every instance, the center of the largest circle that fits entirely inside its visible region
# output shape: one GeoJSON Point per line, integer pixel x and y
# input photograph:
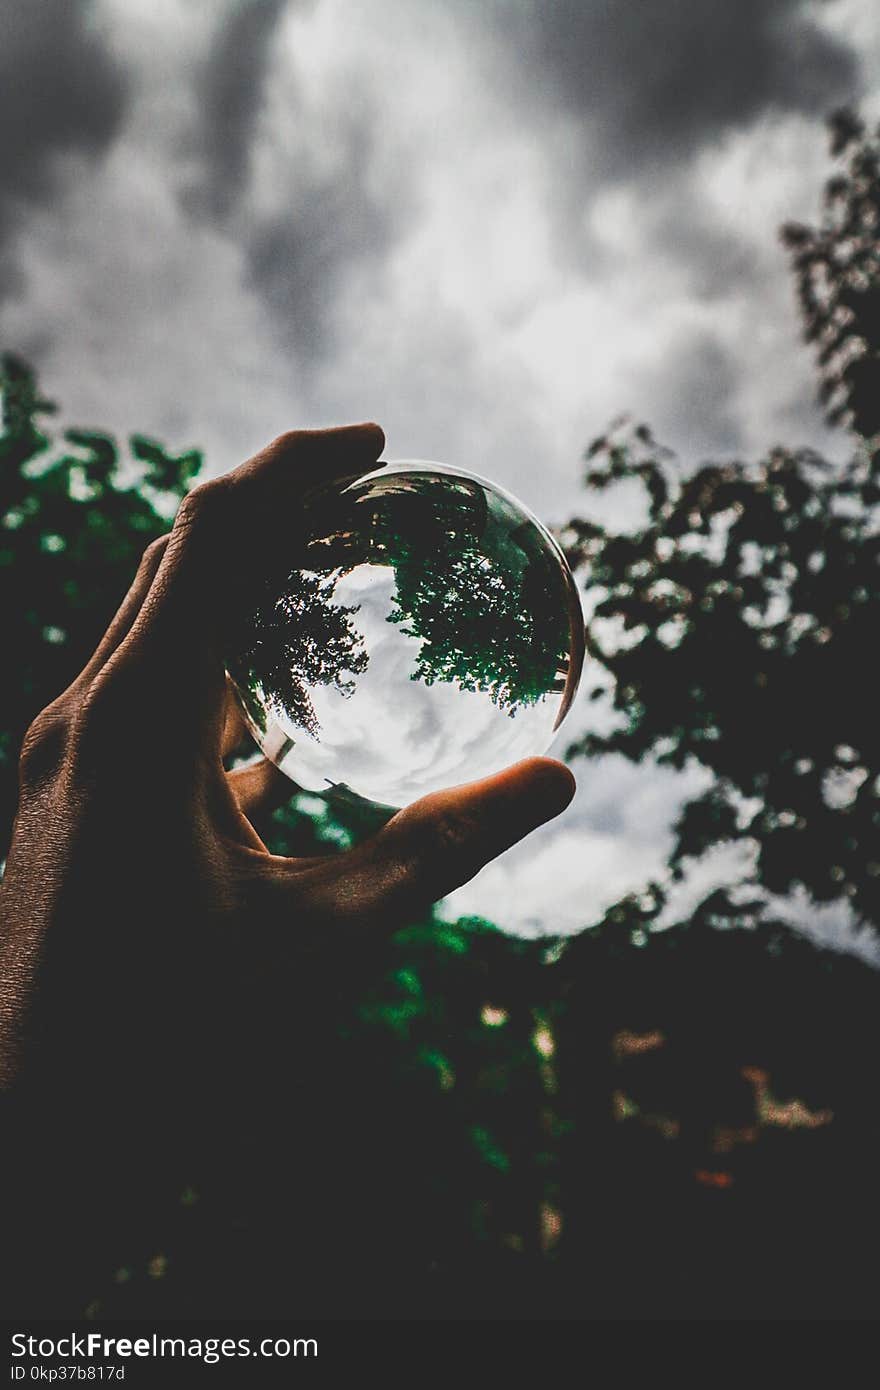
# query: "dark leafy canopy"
{"type": "Point", "coordinates": [293, 643]}
{"type": "Point", "coordinates": [75, 517]}
{"type": "Point", "coordinates": [837, 266]}
{"type": "Point", "coordinates": [478, 589]}
{"type": "Point", "coordinates": [745, 612]}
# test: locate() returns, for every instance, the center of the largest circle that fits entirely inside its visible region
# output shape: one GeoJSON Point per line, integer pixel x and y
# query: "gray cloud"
{"type": "Point", "coordinates": [61, 93]}
{"type": "Point", "coordinates": [694, 395]}
{"type": "Point", "coordinates": [656, 80]}
{"type": "Point", "coordinates": [336, 226]}
{"type": "Point", "coordinates": [328, 218]}
{"type": "Point", "coordinates": [230, 88]}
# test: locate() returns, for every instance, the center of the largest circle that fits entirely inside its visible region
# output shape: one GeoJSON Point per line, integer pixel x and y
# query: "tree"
{"type": "Point", "coordinates": [744, 611]}
{"type": "Point", "coordinates": [478, 589]}
{"type": "Point", "coordinates": [837, 271]}
{"type": "Point", "coordinates": [297, 639]}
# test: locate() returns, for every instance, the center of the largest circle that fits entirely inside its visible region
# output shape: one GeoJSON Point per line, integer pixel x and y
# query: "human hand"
{"type": "Point", "coordinates": [137, 885]}
{"type": "Point", "coordinates": [156, 961]}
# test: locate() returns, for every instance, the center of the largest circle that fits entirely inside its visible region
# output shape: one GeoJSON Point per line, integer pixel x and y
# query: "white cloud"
{"type": "Point", "coordinates": [613, 840]}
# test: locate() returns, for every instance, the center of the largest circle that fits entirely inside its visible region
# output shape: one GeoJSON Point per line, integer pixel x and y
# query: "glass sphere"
{"type": "Point", "coordinates": [423, 630]}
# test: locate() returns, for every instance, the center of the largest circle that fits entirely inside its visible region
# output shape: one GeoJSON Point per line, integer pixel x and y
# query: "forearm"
{"type": "Point", "coordinates": [100, 1109]}
{"type": "Point", "coordinates": [27, 902]}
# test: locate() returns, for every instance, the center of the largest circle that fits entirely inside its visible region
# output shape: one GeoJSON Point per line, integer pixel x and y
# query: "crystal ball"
{"type": "Point", "coordinates": [422, 629]}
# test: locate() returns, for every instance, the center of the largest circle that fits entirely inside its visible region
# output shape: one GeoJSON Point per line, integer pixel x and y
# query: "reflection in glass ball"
{"type": "Point", "coordinates": [423, 630]}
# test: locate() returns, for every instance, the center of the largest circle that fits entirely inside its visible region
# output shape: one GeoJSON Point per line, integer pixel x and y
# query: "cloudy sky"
{"type": "Point", "coordinates": [491, 225]}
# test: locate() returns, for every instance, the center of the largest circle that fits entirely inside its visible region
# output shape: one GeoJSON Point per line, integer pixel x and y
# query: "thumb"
{"type": "Point", "coordinates": [438, 843]}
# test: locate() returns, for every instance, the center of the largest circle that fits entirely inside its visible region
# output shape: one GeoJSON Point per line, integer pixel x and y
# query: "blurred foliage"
{"type": "Point", "coordinates": [738, 623]}
{"type": "Point", "coordinates": [632, 1122]}
{"type": "Point", "coordinates": [837, 269]}
{"type": "Point", "coordinates": [76, 513]}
